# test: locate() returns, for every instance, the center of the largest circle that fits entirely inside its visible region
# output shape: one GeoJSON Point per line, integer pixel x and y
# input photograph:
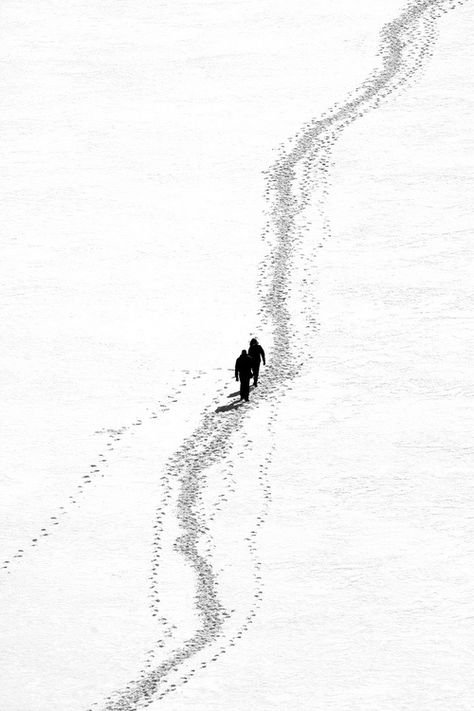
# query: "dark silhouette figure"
{"type": "Point", "coordinates": [257, 354]}
{"type": "Point", "coordinates": [243, 372]}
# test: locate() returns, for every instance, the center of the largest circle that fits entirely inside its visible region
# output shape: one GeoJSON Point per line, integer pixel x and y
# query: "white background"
{"type": "Point", "coordinates": [134, 136]}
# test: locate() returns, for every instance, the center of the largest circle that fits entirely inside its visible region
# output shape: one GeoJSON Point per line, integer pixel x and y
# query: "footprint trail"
{"type": "Point", "coordinates": [296, 182]}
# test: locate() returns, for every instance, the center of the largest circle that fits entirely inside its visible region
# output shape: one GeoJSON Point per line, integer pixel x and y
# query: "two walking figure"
{"type": "Point", "coordinates": [248, 365]}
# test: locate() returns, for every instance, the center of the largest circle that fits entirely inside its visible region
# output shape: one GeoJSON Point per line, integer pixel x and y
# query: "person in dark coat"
{"type": "Point", "coordinates": [243, 372]}
{"type": "Point", "coordinates": [257, 354]}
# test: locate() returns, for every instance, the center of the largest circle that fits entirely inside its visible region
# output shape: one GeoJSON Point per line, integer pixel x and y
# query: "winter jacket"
{"type": "Point", "coordinates": [257, 353]}
{"type": "Point", "coordinates": [243, 367]}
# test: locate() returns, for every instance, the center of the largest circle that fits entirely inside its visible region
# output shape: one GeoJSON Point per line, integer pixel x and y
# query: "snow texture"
{"type": "Point", "coordinates": [310, 548]}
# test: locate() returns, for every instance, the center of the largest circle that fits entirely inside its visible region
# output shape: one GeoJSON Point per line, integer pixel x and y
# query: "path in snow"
{"type": "Point", "coordinates": [298, 179]}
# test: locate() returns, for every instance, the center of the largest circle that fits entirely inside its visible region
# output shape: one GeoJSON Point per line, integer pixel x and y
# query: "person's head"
{"type": "Point", "coordinates": [244, 353]}
{"type": "Point", "coordinates": [253, 342]}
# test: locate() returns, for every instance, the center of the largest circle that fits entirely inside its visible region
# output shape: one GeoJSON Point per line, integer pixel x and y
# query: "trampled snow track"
{"type": "Point", "coordinates": [298, 180]}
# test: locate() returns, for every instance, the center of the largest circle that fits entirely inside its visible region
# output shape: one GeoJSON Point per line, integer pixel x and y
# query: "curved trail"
{"type": "Point", "coordinates": [298, 180]}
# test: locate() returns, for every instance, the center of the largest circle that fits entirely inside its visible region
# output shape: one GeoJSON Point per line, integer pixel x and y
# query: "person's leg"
{"type": "Point", "coordinates": [256, 368]}
{"type": "Point", "coordinates": [242, 389]}
{"type": "Point", "coordinates": [246, 388]}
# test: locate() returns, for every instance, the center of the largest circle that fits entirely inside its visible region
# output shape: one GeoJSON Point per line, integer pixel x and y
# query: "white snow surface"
{"type": "Point", "coordinates": [340, 522]}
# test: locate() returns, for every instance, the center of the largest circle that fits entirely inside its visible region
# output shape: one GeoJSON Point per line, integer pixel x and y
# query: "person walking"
{"type": "Point", "coordinates": [243, 372]}
{"type": "Point", "coordinates": [257, 354]}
